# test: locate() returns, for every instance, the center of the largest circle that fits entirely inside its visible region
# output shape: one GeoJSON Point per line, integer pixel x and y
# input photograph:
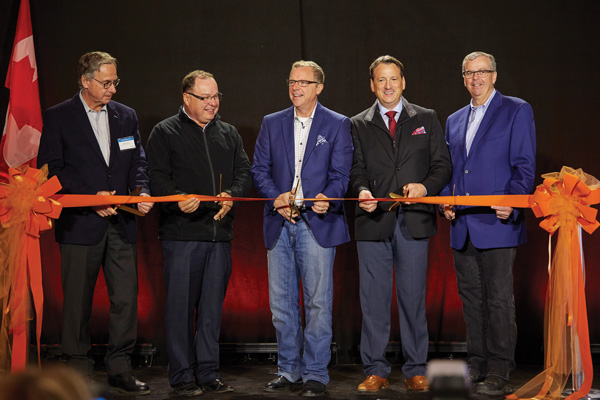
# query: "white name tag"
{"type": "Point", "coordinates": [126, 143]}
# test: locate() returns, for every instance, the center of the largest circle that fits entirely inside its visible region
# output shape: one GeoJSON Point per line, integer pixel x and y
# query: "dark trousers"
{"type": "Point", "coordinates": [80, 269]}
{"type": "Point", "coordinates": [485, 286]}
{"type": "Point", "coordinates": [405, 259]}
{"type": "Point", "coordinates": [196, 278]}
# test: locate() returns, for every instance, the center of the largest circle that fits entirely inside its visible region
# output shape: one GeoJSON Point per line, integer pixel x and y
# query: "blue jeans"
{"type": "Point", "coordinates": [297, 257]}
{"type": "Point", "coordinates": [485, 286]}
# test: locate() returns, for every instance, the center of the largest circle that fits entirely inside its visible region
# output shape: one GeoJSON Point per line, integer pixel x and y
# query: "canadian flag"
{"type": "Point", "coordinates": [23, 127]}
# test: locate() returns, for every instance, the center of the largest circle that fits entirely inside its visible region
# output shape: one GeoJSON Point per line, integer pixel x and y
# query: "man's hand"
{"type": "Point", "coordinates": [189, 206]}
{"type": "Point", "coordinates": [225, 206]}
{"type": "Point", "coordinates": [368, 206]}
{"type": "Point", "coordinates": [144, 207]}
{"type": "Point", "coordinates": [320, 207]}
{"type": "Point", "coordinates": [282, 205]}
{"type": "Point", "coordinates": [413, 190]}
{"type": "Point", "coordinates": [105, 211]}
{"type": "Point", "coordinates": [448, 212]}
{"type": "Point", "coordinates": [502, 212]}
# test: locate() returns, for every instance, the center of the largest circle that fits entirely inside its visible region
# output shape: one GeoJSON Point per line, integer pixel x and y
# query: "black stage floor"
{"type": "Point", "coordinates": [248, 381]}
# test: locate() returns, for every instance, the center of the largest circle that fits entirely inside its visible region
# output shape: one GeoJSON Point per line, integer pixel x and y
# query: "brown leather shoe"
{"type": "Point", "coordinates": [417, 383]}
{"type": "Point", "coordinates": [373, 383]}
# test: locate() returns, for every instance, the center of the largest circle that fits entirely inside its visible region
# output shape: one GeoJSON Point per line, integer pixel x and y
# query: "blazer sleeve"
{"type": "Point", "coordinates": [440, 166]}
{"type": "Point", "coordinates": [262, 169]}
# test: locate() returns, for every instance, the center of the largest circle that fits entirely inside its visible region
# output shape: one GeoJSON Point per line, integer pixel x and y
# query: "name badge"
{"type": "Point", "coordinates": [126, 143]}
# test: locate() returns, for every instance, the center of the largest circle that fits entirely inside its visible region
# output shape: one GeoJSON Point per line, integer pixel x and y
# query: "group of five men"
{"type": "Point", "coordinates": [306, 157]}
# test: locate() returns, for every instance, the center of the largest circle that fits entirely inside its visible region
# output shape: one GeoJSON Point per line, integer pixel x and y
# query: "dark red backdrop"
{"type": "Point", "coordinates": [547, 53]}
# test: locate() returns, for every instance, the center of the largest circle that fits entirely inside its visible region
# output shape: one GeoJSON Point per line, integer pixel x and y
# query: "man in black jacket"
{"type": "Point", "coordinates": [194, 152]}
{"type": "Point", "coordinates": [398, 147]}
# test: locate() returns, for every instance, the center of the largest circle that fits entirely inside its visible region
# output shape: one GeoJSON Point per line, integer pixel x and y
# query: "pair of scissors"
{"type": "Point", "coordinates": [132, 210]}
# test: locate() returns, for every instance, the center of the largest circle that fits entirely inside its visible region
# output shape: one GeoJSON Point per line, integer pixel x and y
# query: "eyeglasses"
{"type": "Point", "coordinates": [480, 74]}
{"type": "Point", "coordinates": [106, 84]}
{"type": "Point", "coordinates": [216, 97]}
{"type": "Point", "coordinates": [301, 83]}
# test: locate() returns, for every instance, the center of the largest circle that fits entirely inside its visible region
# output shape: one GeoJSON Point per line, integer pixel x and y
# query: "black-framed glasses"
{"type": "Point", "coordinates": [216, 97]}
{"type": "Point", "coordinates": [480, 74]}
{"type": "Point", "coordinates": [301, 83]}
{"type": "Point", "coordinates": [107, 84]}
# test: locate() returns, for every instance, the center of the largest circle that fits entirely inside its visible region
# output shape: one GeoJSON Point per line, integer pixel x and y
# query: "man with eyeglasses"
{"type": "Point", "coordinates": [492, 144]}
{"type": "Point", "coordinates": [92, 144]}
{"type": "Point", "coordinates": [303, 152]}
{"type": "Point", "coordinates": [398, 147]}
{"type": "Point", "coordinates": [195, 152]}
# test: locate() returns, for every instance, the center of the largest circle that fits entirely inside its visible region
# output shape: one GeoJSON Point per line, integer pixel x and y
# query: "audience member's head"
{"type": "Point", "coordinates": [54, 382]}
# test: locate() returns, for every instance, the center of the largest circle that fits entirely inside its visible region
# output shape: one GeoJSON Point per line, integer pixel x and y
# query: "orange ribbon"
{"type": "Point", "coordinates": [25, 210]}
{"type": "Point", "coordinates": [564, 200]}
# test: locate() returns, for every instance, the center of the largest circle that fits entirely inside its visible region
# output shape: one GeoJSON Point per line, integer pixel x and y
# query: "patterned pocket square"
{"type": "Point", "coordinates": [419, 131]}
{"type": "Point", "coordinates": [320, 140]}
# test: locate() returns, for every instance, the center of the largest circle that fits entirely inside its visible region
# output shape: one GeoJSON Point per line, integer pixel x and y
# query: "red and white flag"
{"type": "Point", "coordinates": [23, 127]}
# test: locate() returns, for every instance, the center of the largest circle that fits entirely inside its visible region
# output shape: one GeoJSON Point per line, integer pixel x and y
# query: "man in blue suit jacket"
{"type": "Point", "coordinates": [92, 144]}
{"type": "Point", "coordinates": [304, 151]}
{"type": "Point", "coordinates": [492, 145]}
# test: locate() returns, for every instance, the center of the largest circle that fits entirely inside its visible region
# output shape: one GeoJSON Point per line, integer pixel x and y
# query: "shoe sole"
{"type": "Point", "coordinates": [373, 390]}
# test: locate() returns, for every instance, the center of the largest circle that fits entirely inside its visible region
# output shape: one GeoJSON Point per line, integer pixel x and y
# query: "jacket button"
{"type": "Point", "coordinates": [466, 171]}
{"type": "Point", "coordinates": [466, 194]}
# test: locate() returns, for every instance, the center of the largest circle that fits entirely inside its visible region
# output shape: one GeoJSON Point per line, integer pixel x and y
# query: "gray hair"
{"type": "Point", "coordinates": [475, 54]}
{"type": "Point", "coordinates": [90, 63]}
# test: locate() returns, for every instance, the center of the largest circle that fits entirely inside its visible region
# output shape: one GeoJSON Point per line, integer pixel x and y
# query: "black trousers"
{"type": "Point", "coordinates": [80, 268]}
{"type": "Point", "coordinates": [485, 286]}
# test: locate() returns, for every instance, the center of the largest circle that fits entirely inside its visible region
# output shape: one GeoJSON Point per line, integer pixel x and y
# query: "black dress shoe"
{"type": "Point", "coordinates": [217, 386]}
{"type": "Point", "coordinates": [313, 389]}
{"type": "Point", "coordinates": [474, 377]}
{"type": "Point", "coordinates": [128, 383]}
{"type": "Point", "coordinates": [493, 386]}
{"type": "Point", "coordinates": [187, 389]}
{"type": "Point", "coordinates": [276, 384]}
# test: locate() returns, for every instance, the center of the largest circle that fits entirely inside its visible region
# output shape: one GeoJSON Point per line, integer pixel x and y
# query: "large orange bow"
{"type": "Point", "coordinates": [25, 210]}
{"type": "Point", "coordinates": [564, 200]}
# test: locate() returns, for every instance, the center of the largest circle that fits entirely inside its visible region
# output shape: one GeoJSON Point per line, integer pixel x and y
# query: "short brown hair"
{"type": "Point", "coordinates": [386, 60]}
{"type": "Point", "coordinates": [90, 63]}
{"type": "Point", "coordinates": [190, 79]}
{"type": "Point", "coordinates": [318, 73]}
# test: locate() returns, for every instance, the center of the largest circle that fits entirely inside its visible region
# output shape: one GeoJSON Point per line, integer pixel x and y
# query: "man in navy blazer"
{"type": "Point", "coordinates": [302, 152]}
{"type": "Point", "coordinates": [492, 145]}
{"type": "Point", "coordinates": [92, 144]}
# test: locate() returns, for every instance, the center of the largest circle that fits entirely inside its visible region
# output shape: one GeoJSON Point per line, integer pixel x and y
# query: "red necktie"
{"type": "Point", "coordinates": [391, 115]}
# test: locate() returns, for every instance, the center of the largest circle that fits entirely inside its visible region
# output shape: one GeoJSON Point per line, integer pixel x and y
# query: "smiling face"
{"type": "Point", "coordinates": [93, 92]}
{"type": "Point", "coordinates": [480, 87]}
{"type": "Point", "coordinates": [388, 85]}
{"type": "Point", "coordinates": [202, 111]}
{"type": "Point", "coordinates": [304, 98]}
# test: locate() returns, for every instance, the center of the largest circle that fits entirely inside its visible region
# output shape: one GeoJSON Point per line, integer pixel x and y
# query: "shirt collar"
{"type": "Point", "coordinates": [87, 108]}
{"type": "Point", "coordinates": [383, 110]}
{"type": "Point", "coordinates": [484, 105]}
{"type": "Point", "coordinates": [312, 115]}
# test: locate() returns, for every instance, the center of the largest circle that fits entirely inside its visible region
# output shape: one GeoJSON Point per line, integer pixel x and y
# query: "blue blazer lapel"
{"type": "Point", "coordinates": [488, 118]}
{"type": "Point", "coordinates": [462, 128]}
{"type": "Point", "coordinates": [287, 127]}
{"type": "Point", "coordinates": [315, 130]}
{"type": "Point", "coordinates": [84, 124]}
